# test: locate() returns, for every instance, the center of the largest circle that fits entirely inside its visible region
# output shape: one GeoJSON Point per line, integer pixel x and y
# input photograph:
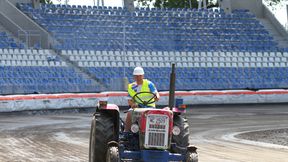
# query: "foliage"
{"type": "Point", "coordinates": [46, 1]}
{"type": "Point", "coordinates": [174, 3]}
{"type": "Point", "coordinates": [194, 3]}
{"type": "Point", "coordinates": [273, 2]}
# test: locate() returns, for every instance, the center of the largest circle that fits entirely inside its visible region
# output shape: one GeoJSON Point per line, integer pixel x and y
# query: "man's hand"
{"type": "Point", "coordinates": [132, 104]}
{"type": "Point", "coordinates": [157, 97]}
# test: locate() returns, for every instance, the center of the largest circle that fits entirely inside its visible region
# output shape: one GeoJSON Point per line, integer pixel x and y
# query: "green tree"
{"type": "Point", "coordinates": [174, 3]}
{"type": "Point", "coordinates": [46, 1]}
{"type": "Point", "coordinates": [274, 2]}
{"type": "Point", "coordinates": [194, 3]}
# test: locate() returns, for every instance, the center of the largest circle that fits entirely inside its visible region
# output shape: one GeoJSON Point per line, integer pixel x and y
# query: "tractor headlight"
{"type": "Point", "coordinates": [134, 128]}
{"type": "Point", "coordinates": [176, 130]}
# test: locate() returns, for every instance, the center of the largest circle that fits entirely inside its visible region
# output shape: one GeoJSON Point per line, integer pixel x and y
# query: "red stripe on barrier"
{"type": "Point", "coordinates": [51, 96]}
{"type": "Point", "coordinates": [272, 92]}
{"type": "Point", "coordinates": [118, 94]}
{"type": "Point", "coordinates": [123, 94]}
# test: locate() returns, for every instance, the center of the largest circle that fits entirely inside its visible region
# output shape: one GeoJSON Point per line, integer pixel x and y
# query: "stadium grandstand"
{"type": "Point", "coordinates": [51, 48]}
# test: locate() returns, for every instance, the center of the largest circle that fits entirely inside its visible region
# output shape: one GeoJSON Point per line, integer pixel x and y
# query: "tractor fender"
{"type": "Point", "coordinates": [191, 148]}
{"type": "Point", "coordinates": [108, 107]}
{"type": "Point", "coordinates": [113, 111]}
{"type": "Point", "coordinates": [113, 143]}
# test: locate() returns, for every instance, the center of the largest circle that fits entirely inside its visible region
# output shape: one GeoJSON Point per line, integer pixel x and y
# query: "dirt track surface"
{"type": "Point", "coordinates": [214, 130]}
{"type": "Point", "coordinates": [277, 136]}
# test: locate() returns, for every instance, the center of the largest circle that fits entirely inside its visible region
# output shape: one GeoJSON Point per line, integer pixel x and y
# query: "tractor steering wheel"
{"type": "Point", "coordinates": [136, 98]}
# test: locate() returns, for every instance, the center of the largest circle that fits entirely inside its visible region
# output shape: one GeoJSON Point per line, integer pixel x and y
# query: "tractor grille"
{"type": "Point", "coordinates": [157, 127]}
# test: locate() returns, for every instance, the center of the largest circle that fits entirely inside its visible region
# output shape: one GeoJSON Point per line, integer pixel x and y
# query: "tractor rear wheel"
{"type": "Point", "coordinates": [102, 132]}
{"type": "Point", "coordinates": [181, 140]}
{"type": "Point", "coordinates": [112, 154]}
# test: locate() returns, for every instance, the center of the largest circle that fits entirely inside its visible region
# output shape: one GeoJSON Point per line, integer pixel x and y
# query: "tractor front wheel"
{"type": "Point", "coordinates": [191, 156]}
{"type": "Point", "coordinates": [112, 154]}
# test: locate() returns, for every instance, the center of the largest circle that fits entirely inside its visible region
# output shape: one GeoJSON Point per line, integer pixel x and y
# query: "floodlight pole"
{"type": "Point", "coordinates": [199, 4]}
{"type": "Point", "coordinates": [286, 24]}
{"type": "Point", "coordinates": [98, 2]}
{"type": "Point", "coordinates": [124, 47]}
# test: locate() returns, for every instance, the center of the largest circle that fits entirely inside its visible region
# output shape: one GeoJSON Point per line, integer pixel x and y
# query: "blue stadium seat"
{"type": "Point", "coordinates": [105, 19]}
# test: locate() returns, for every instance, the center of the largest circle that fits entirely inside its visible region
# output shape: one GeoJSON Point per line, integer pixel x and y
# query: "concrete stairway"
{"type": "Point", "coordinates": [278, 37]}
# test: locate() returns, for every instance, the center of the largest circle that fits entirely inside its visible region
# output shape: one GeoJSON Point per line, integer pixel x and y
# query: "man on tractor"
{"type": "Point", "coordinates": [140, 85]}
{"type": "Point", "coordinates": [155, 134]}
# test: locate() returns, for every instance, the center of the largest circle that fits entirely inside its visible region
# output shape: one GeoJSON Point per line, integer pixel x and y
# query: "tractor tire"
{"type": "Point", "coordinates": [191, 156]}
{"type": "Point", "coordinates": [102, 132]}
{"type": "Point", "coordinates": [112, 154]}
{"type": "Point", "coordinates": [181, 140]}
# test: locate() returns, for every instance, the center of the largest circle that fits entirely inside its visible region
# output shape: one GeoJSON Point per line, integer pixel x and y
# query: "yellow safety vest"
{"type": "Point", "coordinates": [144, 96]}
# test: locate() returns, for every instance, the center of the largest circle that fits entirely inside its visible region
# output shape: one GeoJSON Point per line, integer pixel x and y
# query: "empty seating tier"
{"type": "Point", "coordinates": [39, 71]}
{"type": "Point", "coordinates": [92, 28]}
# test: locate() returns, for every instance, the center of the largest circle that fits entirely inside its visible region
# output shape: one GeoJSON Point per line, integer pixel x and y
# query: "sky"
{"type": "Point", "coordinates": [280, 12]}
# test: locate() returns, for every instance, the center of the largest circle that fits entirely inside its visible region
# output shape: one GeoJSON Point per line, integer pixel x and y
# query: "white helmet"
{"type": "Point", "coordinates": [138, 71]}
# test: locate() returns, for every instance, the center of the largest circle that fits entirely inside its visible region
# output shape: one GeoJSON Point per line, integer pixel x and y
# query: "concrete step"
{"type": "Point", "coordinates": [282, 41]}
{"type": "Point", "coordinates": [78, 69]}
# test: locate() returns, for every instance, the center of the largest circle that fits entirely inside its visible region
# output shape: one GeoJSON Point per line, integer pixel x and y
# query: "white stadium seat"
{"type": "Point", "coordinates": [86, 52]}
{"type": "Point", "coordinates": [75, 52]}
{"type": "Point", "coordinates": [126, 64]}
{"type": "Point", "coordinates": [80, 63]}
{"type": "Point", "coordinates": [96, 64]}
{"type": "Point", "coordinates": [113, 64]}
{"type": "Point", "coordinates": [91, 64]}
{"type": "Point", "coordinates": [5, 51]}
{"type": "Point", "coordinates": [107, 64]}
{"type": "Point", "coordinates": [57, 63]}
{"type": "Point", "coordinates": [63, 63]}
{"type": "Point", "coordinates": [51, 63]}
{"type": "Point", "coordinates": [80, 52]}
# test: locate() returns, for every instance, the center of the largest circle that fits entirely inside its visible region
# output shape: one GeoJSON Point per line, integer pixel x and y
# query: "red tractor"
{"type": "Point", "coordinates": [160, 135]}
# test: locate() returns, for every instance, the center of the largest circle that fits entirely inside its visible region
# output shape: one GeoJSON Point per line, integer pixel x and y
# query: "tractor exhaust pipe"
{"type": "Point", "coordinates": [172, 88]}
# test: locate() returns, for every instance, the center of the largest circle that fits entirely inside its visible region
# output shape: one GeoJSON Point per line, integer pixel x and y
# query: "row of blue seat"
{"type": "Point", "coordinates": [48, 88]}
{"type": "Point", "coordinates": [141, 45]}
{"type": "Point", "coordinates": [37, 79]}
{"type": "Point", "coordinates": [203, 78]}
{"type": "Point", "coordinates": [155, 15]}
{"type": "Point", "coordinates": [7, 42]}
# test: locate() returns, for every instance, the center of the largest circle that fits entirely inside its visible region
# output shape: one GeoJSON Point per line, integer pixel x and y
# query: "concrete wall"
{"type": "Point", "coordinates": [14, 20]}
{"type": "Point", "coordinates": [280, 28]}
{"type": "Point", "coordinates": [19, 1]}
{"type": "Point", "coordinates": [255, 6]}
{"type": "Point", "coordinates": [129, 4]}
{"type": "Point", "coordinates": [10, 25]}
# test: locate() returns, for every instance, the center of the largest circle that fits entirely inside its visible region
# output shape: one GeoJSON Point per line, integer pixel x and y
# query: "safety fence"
{"type": "Point", "coordinates": [61, 101]}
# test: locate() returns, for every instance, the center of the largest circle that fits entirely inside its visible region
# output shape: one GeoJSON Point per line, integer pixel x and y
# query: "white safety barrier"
{"type": "Point", "coordinates": [60, 101]}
